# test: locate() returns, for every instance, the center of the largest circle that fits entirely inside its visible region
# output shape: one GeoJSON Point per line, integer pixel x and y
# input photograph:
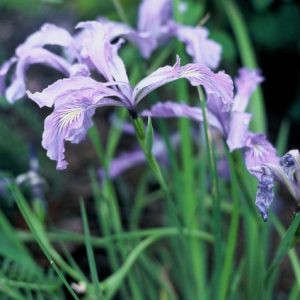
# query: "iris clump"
{"type": "Point", "coordinates": [94, 48]}
{"type": "Point", "coordinates": [217, 150]}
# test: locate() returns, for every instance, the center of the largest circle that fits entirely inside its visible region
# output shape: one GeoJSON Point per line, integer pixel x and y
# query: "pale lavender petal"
{"type": "Point", "coordinates": [69, 85]}
{"type": "Point", "coordinates": [73, 110]}
{"type": "Point", "coordinates": [171, 109]}
{"type": "Point", "coordinates": [245, 83]}
{"type": "Point", "coordinates": [153, 14]}
{"type": "Point", "coordinates": [97, 46]}
{"type": "Point", "coordinates": [217, 84]}
{"type": "Point", "coordinates": [259, 151]}
{"type": "Point", "coordinates": [49, 34]}
{"type": "Point", "coordinates": [17, 89]}
{"type": "Point", "coordinates": [4, 69]}
{"type": "Point", "coordinates": [218, 109]}
{"type": "Point", "coordinates": [156, 19]}
{"type": "Point", "coordinates": [144, 41]}
{"type": "Point", "coordinates": [95, 43]}
{"type": "Point", "coordinates": [156, 79]}
{"type": "Point", "coordinates": [202, 49]}
{"type": "Point", "coordinates": [238, 130]}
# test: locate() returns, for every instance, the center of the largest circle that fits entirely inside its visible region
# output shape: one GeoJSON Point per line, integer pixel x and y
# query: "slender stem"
{"type": "Point", "coordinates": [248, 58]}
{"type": "Point", "coordinates": [102, 241]}
{"type": "Point", "coordinates": [215, 196]}
{"type": "Point", "coordinates": [189, 203]}
{"type": "Point", "coordinates": [120, 11]}
{"type": "Point", "coordinates": [228, 265]}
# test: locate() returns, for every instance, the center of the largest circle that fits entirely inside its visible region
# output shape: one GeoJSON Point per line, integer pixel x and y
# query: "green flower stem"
{"type": "Point", "coordinates": [140, 134]}
{"type": "Point", "coordinates": [121, 12]}
{"type": "Point", "coordinates": [189, 203]}
{"type": "Point", "coordinates": [228, 265]}
{"type": "Point", "coordinates": [248, 58]}
{"type": "Point", "coordinates": [109, 196]}
{"type": "Point", "coordinates": [215, 195]}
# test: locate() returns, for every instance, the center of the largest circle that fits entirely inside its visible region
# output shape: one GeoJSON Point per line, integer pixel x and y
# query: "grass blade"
{"type": "Point", "coordinates": [89, 250]}
{"type": "Point", "coordinates": [284, 246]}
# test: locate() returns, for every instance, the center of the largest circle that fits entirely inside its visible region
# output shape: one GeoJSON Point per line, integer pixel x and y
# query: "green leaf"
{"type": "Point", "coordinates": [89, 250]}
{"type": "Point", "coordinates": [139, 128]}
{"type": "Point", "coordinates": [284, 246]}
{"type": "Point", "coordinates": [283, 136]}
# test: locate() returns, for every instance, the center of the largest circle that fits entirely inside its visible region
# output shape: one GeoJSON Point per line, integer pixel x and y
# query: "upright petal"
{"type": "Point", "coordinates": [153, 14]}
{"type": "Point", "coordinates": [202, 49]}
{"type": "Point", "coordinates": [173, 110]}
{"type": "Point", "coordinates": [97, 46]}
{"type": "Point", "coordinates": [245, 83]}
{"type": "Point", "coordinates": [217, 84]}
{"type": "Point", "coordinates": [17, 89]}
{"type": "Point", "coordinates": [49, 34]}
{"type": "Point", "coordinates": [144, 41]}
{"type": "Point", "coordinates": [156, 19]}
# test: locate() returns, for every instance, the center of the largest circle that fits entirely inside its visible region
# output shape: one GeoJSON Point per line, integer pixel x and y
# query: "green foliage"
{"type": "Point", "coordinates": [207, 242]}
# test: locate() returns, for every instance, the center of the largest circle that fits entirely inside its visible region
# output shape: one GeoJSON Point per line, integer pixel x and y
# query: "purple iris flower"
{"type": "Point", "coordinates": [229, 118]}
{"type": "Point", "coordinates": [75, 99]}
{"type": "Point", "coordinates": [33, 51]}
{"type": "Point", "coordinates": [285, 171]}
{"type": "Point", "coordinates": [156, 18]}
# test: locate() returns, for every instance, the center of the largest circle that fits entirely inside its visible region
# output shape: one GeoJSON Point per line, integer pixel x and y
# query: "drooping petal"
{"type": "Point", "coordinates": [156, 79]}
{"type": "Point", "coordinates": [17, 89]}
{"type": "Point", "coordinates": [238, 130]}
{"type": "Point", "coordinates": [265, 192]}
{"type": "Point", "coordinates": [171, 109]}
{"type": "Point", "coordinates": [245, 83]}
{"type": "Point", "coordinates": [216, 84]}
{"type": "Point", "coordinates": [49, 34]}
{"type": "Point", "coordinates": [202, 49]}
{"type": "Point", "coordinates": [259, 151]}
{"type": "Point", "coordinates": [74, 107]}
{"type": "Point", "coordinates": [68, 86]}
